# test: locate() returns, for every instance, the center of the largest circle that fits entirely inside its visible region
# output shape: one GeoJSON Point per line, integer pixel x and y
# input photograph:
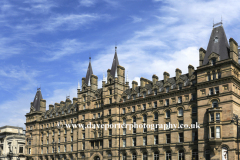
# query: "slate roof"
{"type": "Point", "coordinates": [36, 101]}
{"type": "Point", "coordinates": [114, 64]}
{"type": "Point", "coordinates": [89, 72]}
{"type": "Point", "coordinates": [220, 46]}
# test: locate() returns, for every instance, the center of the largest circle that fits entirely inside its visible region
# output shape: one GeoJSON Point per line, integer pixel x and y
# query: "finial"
{"type": "Point", "coordinates": [104, 78]}
{"type": "Point", "coordinates": [78, 85]}
{"type": "Point", "coordinates": [127, 78]}
{"type": "Point", "coordinates": [90, 58]}
{"type": "Point", "coordinates": [115, 49]}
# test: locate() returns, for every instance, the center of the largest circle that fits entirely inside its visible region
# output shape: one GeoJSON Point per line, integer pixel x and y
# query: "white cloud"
{"type": "Point", "coordinates": [136, 19]}
{"type": "Point", "coordinates": [87, 3]}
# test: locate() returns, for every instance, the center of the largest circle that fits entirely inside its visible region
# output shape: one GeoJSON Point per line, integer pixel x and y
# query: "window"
{"type": "Point", "coordinates": [134, 156]}
{"type": "Point", "coordinates": [84, 107]}
{"type": "Point", "coordinates": [59, 132]}
{"type": "Point", "coordinates": [124, 131]}
{"type": "Point", "coordinates": [180, 122]}
{"type": "Point", "coordinates": [167, 89]}
{"type": "Point", "coordinates": [214, 104]}
{"type": "Point", "coordinates": [109, 112]}
{"type": "Point", "coordinates": [218, 134]}
{"type": "Point", "coordinates": [194, 136]}
{"type": "Point", "coordinates": [194, 120]}
{"type": "Point", "coordinates": [168, 114]}
{"type": "Point", "coordinates": [214, 75]}
{"type": "Point", "coordinates": [83, 145]}
{"type": "Point", "coordinates": [109, 143]}
{"type": "Point", "coordinates": [83, 117]}
{"type": "Point", "coordinates": [144, 106]}
{"type": "Point", "coordinates": [71, 130]}
{"type": "Point", "coordinates": [134, 141]}
{"type": "Point", "coordinates": [167, 102]}
{"type": "Point", "coordinates": [168, 155]}
{"type": "Point", "coordinates": [168, 138]}
{"type": "Point", "coordinates": [144, 128]}
{"type": "Point", "coordinates": [180, 99]}
{"type": "Point", "coordinates": [71, 138]}
{"type": "Point", "coordinates": [218, 117]}
{"type": "Point", "coordinates": [124, 99]}
{"type": "Point", "coordinates": [124, 121]}
{"type": "Point", "coordinates": [58, 140]}
{"type": "Point", "coordinates": [180, 86]}
{"type": "Point", "coordinates": [124, 142]}
{"type": "Point", "coordinates": [212, 132]}
{"type": "Point", "coordinates": [52, 149]}
{"type": "Point", "coordinates": [99, 115]}
{"type": "Point", "coordinates": [134, 130]}
{"type": "Point", "coordinates": [180, 135]}
{"type": "Point", "coordinates": [53, 140]}
{"type": "Point", "coordinates": [145, 156]}
{"type": "Point", "coordinates": [124, 157]}
{"type": "Point", "coordinates": [210, 91]}
{"type": "Point", "coordinates": [219, 74]}
{"type": "Point", "coordinates": [216, 90]}
{"type": "Point", "coordinates": [155, 116]}
{"type": "Point", "coordinates": [194, 110]}
{"type": "Point", "coordinates": [133, 108]}
{"type": "Point", "coordinates": [144, 118]}
{"type": "Point", "coordinates": [155, 91]}
{"type": "Point", "coordinates": [212, 117]}
{"type": "Point", "coordinates": [195, 154]}
{"type": "Point", "coordinates": [65, 139]}
{"type": "Point", "coordinates": [180, 112]}
{"type": "Point", "coordinates": [83, 136]}
{"type": "Point", "coordinates": [65, 148]}
{"type": "Point", "coordinates": [71, 148]}
{"type": "Point", "coordinates": [110, 132]}
{"type": "Point", "coordinates": [123, 111]}
{"type": "Point", "coordinates": [134, 119]}
{"type": "Point", "coordinates": [209, 77]}
{"type": "Point", "coordinates": [181, 155]}
{"type": "Point", "coordinates": [94, 116]}
{"type": "Point", "coordinates": [129, 96]}
{"type": "Point", "coordinates": [156, 127]}
{"type": "Point", "coordinates": [155, 105]}
{"type": "Point", "coordinates": [134, 97]}
{"type": "Point", "coordinates": [156, 139]}
{"type": "Point", "coordinates": [110, 91]}
{"type": "Point", "coordinates": [193, 97]}
{"type": "Point", "coordinates": [110, 121]}
{"type": "Point", "coordinates": [110, 100]}
{"type": "Point", "coordinates": [20, 149]}
{"type": "Point", "coordinates": [156, 156]}
{"type": "Point", "coordinates": [144, 94]}
{"type": "Point", "coordinates": [144, 141]}
{"type": "Point", "coordinates": [214, 59]}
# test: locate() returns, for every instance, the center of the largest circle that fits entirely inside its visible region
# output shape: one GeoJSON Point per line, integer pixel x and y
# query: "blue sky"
{"type": "Point", "coordinates": [47, 43]}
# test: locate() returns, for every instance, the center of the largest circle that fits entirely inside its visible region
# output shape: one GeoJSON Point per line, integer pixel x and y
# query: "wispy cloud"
{"type": "Point", "coordinates": [67, 47]}
{"type": "Point", "coordinates": [136, 19]}
{"type": "Point", "coordinates": [87, 3]}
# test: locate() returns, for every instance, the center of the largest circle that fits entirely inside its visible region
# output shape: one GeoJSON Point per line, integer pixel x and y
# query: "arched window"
{"type": "Point", "coordinates": [214, 104]}
{"type": "Point", "coordinates": [168, 155]}
{"type": "Point", "coordinates": [181, 155]}
{"type": "Point", "coordinates": [168, 114]}
{"type": "Point", "coordinates": [124, 156]}
{"type": "Point", "coordinates": [195, 154]}
{"type": "Point", "coordinates": [155, 116]}
{"type": "Point", "coordinates": [180, 112]}
{"type": "Point", "coordinates": [224, 153]}
{"type": "Point", "coordinates": [145, 156]}
{"type": "Point", "coordinates": [134, 156]}
{"type": "Point", "coordinates": [144, 118]}
{"type": "Point", "coordinates": [156, 156]}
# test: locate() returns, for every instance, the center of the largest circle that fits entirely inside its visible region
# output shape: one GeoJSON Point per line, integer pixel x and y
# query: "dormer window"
{"type": "Point", "coordinates": [128, 97]}
{"type": "Point", "coordinates": [167, 89]}
{"type": "Point", "coordinates": [213, 60]}
{"type": "Point", "coordinates": [215, 40]}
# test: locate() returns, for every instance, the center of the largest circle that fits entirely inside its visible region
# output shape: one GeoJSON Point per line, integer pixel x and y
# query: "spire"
{"type": "Point", "coordinates": [36, 101]}
{"type": "Point", "coordinates": [89, 72]}
{"type": "Point", "coordinates": [114, 64]}
{"type": "Point", "coordinates": [78, 85]}
{"type": "Point", "coordinates": [218, 43]}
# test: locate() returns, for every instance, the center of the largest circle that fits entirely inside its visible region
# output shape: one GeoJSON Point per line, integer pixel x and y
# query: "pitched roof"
{"type": "Point", "coordinates": [36, 101]}
{"type": "Point", "coordinates": [89, 72]}
{"type": "Point", "coordinates": [114, 64]}
{"type": "Point", "coordinates": [218, 43]}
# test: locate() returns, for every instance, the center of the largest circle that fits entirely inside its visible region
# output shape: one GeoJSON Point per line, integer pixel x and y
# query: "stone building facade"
{"type": "Point", "coordinates": [12, 143]}
{"type": "Point", "coordinates": [207, 96]}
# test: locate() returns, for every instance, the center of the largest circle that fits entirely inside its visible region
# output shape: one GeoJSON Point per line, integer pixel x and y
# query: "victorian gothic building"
{"type": "Point", "coordinates": [207, 95]}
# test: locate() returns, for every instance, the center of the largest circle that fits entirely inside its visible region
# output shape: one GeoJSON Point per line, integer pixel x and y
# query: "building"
{"type": "Point", "coordinates": [12, 143]}
{"type": "Point", "coordinates": [208, 95]}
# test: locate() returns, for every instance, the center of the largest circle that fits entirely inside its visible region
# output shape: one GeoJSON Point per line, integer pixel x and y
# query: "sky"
{"type": "Point", "coordinates": [47, 43]}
